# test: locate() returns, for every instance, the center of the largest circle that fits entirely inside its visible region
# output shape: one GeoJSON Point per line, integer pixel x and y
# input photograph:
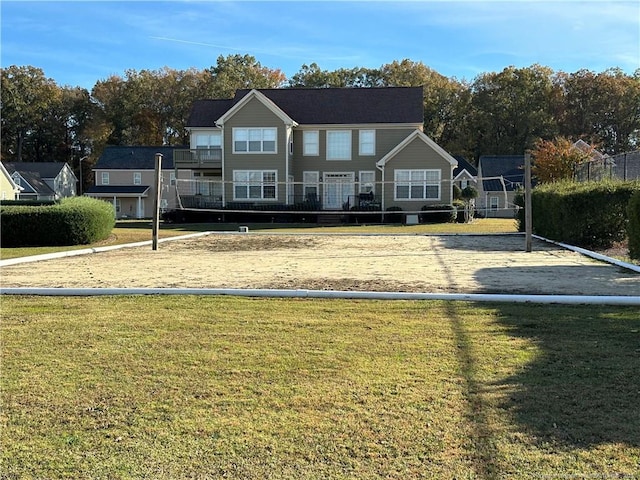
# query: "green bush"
{"type": "Point", "coordinates": [73, 221]}
{"type": "Point", "coordinates": [590, 215]}
{"type": "Point", "coordinates": [438, 214]}
{"type": "Point", "coordinates": [633, 227]}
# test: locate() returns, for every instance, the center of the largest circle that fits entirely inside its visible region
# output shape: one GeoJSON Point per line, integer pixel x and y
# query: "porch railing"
{"type": "Point", "coordinates": [198, 158]}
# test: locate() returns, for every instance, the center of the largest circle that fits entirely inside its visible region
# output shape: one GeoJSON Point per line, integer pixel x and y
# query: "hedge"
{"type": "Point", "coordinates": [633, 227]}
{"type": "Point", "coordinates": [590, 215]}
{"type": "Point", "coordinates": [73, 221]}
{"type": "Point", "coordinates": [438, 214]}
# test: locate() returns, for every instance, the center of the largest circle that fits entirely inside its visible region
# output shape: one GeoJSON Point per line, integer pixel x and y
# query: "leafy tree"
{"type": "Point", "coordinates": [555, 160]}
{"type": "Point", "coordinates": [513, 108]}
{"type": "Point", "coordinates": [603, 107]}
{"type": "Point", "coordinates": [313, 77]}
{"type": "Point", "coordinates": [28, 101]}
{"type": "Point", "coordinates": [235, 72]}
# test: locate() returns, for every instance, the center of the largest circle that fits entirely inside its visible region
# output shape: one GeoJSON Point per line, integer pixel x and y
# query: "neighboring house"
{"type": "Point", "coordinates": [465, 174]}
{"type": "Point", "coordinates": [332, 148]}
{"type": "Point", "coordinates": [499, 177]}
{"type": "Point", "coordinates": [8, 188]}
{"type": "Point", "coordinates": [43, 180]}
{"type": "Point", "coordinates": [125, 176]}
{"type": "Point", "coordinates": [594, 155]}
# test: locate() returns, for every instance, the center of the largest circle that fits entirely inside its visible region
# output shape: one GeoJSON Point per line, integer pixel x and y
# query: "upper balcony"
{"type": "Point", "coordinates": [198, 158]}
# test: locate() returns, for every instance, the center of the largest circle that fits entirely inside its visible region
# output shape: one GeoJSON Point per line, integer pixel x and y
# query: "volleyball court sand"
{"type": "Point", "coordinates": [415, 263]}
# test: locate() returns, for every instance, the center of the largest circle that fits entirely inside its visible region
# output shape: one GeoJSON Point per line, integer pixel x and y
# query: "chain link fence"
{"type": "Point", "coordinates": [624, 166]}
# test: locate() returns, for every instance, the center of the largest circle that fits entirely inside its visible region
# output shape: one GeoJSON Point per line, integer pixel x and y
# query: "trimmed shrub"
{"type": "Point", "coordinates": [633, 227]}
{"type": "Point", "coordinates": [73, 221]}
{"type": "Point", "coordinates": [590, 215]}
{"type": "Point", "coordinates": [438, 214]}
{"type": "Point", "coordinates": [395, 216]}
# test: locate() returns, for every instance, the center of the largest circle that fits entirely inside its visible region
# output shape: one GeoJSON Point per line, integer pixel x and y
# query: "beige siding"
{"type": "Point", "coordinates": [417, 155]}
{"type": "Point", "coordinates": [255, 114]}
{"type": "Point", "coordinates": [6, 189]}
{"type": "Point", "coordinates": [129, 205]}
{"type": "Point", "coordinates": [386, 140]}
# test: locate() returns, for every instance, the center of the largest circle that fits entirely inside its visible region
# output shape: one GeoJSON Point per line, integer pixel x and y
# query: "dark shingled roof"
{"type": "Point", "coordinates": [117, 189]}
{"type": "Point", "coordinates": [135, 158]}
{"type": "Point", "coordinates": [464, 165]}
{"type": "Point", "coordinates": [204, 113]}
{"type": "Point", "coordinates": [42, 169]}
{"type": "Point", "coordinates": [511, 167]}
{"type": "Point", "coordinates": [312, 106]}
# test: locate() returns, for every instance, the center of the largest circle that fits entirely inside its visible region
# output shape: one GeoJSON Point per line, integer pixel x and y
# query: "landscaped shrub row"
{"type": "Point", "coordinates": [73, 221]}
{"type": "Point", "coordinates": [633, 228]}
{"type": "Point", "coordinates": [590, 215]}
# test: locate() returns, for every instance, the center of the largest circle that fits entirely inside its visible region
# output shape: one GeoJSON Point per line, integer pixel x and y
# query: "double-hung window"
{"type": "Point", "coordinates": [254, 184]}
{"type": "Point", "coordinates": [367, 142]}
{"type": "Point", "coordinates": [338, 144]}
{"type": "Point", "coordinates": [417, 184]}
{"type": "Point", "coordinates": [310, 142]}
{"type": "Point", "coordinates": [137, 178]}
{"type": "Point", "coordinates": [254, 140]}
{"type": "Point", "coordinates": [105, 178]}
{"type": "Point", "coordinates": [209, 146]}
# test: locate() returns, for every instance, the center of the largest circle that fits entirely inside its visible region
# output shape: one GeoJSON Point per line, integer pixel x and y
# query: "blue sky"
{"type": "Point", "coordinates": [78, 43]}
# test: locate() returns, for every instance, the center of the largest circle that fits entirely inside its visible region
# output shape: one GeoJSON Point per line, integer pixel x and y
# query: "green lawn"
{"type": "Point", "coordinates": [139, 231]}
{"type": "Point", "coordinates": [223, 387]}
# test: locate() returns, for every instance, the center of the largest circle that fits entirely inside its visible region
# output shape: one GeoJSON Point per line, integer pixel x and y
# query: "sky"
{"type": "Point", "coordinates": [78, 43]}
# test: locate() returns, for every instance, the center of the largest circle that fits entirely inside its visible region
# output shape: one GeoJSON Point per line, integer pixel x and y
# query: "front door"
{"type": "Point", "coordinates": [338, 187]}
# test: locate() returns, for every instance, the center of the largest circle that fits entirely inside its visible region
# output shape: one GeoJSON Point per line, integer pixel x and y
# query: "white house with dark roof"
{"type": "Point", "coordinates": [465, 174]}
{"type": "Point", "coordinates": [43, 180]}
{"type": "Point", "coordinates": [334, 147]}
{"type": "Point", "coordinates": [125, 176]}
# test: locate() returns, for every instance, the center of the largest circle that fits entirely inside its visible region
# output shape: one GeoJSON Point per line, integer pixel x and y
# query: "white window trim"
{"type": "Point", "coordinates": [310, 179]}
{"type": "Point", "coordinates": [411, 183]}
{"type": "Point", "coordinates": [209, 137]}
{"type": "Point", "coordinates": [494, 205]}
{"type": "Point", "coordinates": [331, 133]}
{"type": "Point", "coordinates": [262, 140]}
{"type": "Point", "coordinates": [137, 178]}
{"type": "Point", "coordinates": [316, 143]}
{"type": "Point", "coordinates": [262, 184]}
{"type": "Point", "coordinates": [104, 178]}
{"type": "Point", "coordinates": [363, 184]}
{"type": "Point", "coordinates": [361, 143]}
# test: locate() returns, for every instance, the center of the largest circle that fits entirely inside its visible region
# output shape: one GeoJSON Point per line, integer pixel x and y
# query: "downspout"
{"type": "Point", "coordinates": [288, 138]}
{"type": "Point", "coordinates": [382, 203]}
{"type": "Point", "coordinates": [222, 164]}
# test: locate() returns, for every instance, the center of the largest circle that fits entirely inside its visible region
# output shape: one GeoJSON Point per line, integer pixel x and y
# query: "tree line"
{"type": "Point", "coordinates": [496, 113]}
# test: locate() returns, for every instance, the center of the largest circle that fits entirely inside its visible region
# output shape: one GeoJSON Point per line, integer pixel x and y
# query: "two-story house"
{"type": "Point", "coordinates": [125, 176]}
{"type": "Point", "coordinates": [43, 180]}
{"type": "Point", "coordinates": [333, 148]}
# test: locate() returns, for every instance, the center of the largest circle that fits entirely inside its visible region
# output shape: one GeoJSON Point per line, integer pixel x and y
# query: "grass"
{"type": "Point", "coordinates": [223, 387]}
{"type": "Point", "coordinates": [139, 231]}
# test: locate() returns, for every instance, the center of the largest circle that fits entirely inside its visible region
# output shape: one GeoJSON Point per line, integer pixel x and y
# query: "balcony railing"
{"type": "Point", "coordinates": [198, 158]}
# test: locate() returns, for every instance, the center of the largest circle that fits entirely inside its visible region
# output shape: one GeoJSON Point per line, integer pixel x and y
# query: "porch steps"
{"type": "Point", "coordinates": [329, 219]}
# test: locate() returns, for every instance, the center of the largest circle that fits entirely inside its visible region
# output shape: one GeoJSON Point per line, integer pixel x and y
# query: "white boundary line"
{"type": "Point", "coordinates": [86, 251]}
{"type": "Point", "coordinates": [468, 297]}
{"type": "Point", "coordinates": [589, 253]}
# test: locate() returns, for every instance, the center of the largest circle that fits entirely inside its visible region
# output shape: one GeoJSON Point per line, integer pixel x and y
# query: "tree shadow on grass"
{"type": "Point", "coordinates": [584, 388]}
